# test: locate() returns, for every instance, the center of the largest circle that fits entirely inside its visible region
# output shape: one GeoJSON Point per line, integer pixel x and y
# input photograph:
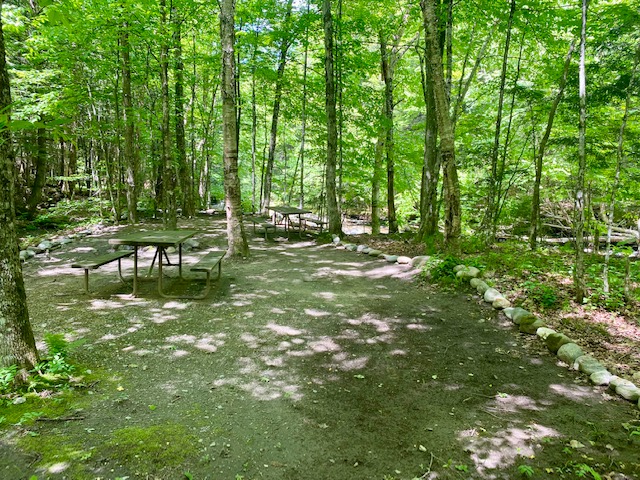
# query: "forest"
{"type": "Point", "coordinates": [118, 105]}
{"type": "Point", "coordinates": [502, 135]}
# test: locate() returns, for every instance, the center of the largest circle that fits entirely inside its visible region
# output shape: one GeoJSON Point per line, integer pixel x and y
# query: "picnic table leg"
{"type": "Point", "coordinates": [160, 272]}
{"type": "Point", "coordinates": [135, 271]}
{"type": "Point", "coordinates": [153, 262]}
{"type": "Point", "coordinates": [86, 280]}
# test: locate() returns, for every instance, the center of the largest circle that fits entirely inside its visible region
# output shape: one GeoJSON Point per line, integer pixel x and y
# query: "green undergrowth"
{"type": "Point", "coordinates": [50, 390]}
{"type": "Point", "coordinates": [542, 280]}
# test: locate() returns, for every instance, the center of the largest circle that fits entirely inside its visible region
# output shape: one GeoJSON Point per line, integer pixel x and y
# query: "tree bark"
{"type": "Point", "coordinates": [17, 345]}
{"type": "Point", "coordinates": [236, 238]}
{"type": "Point", "coordinates": [185, 170]}
{"type": "Point", "coordinates": [130, 157]}
{"type": "Point", "coordinates": [535, 203]}
{"type": "Point", "coordinates": [169, 180]}
{"type": "Point", "coordinates": [40, 164]}
{"type": "Point", "coordinates": [452, 220]}
{"type": "Point", "coordinates": [579, 267]}
{"type": "Point", "coordinates": [431, 165]}
{"type": "Point", "coordinates": [386, 67]}
{"type": "Point", "coordinates": [490, 213]}
{"type": "Point", "coordinates": [335, 222]}
{"type": "Point", "coordinates": [376, 181]}
{"type": "Point", "coordinates": [620, 160]}
{"type": "Point", "coordinates": [277, 99]}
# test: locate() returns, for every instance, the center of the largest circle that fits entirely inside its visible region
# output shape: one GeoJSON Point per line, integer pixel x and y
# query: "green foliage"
{"type": "Point", "coordinates": [543, 295]}
{"type": "Point", "coordinates": [526, 471]}
{"type": "Point", "coordinates": [56, 344]}
{"type": "Point", "coordinates": [442, 269]}
{"type": "Point", "coordinates": [7, 376]}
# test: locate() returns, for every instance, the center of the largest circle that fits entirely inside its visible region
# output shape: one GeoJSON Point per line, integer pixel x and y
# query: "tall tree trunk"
{"type": "Point", "coordinates": [335, 222]}
{"type": "Point", "coordinates": [17, 345]}
{"type": "Point", "coordinates": [579, 268]}
{"type": "Point", "coordinates": [620, 161]}
{"type": "Point", "coordinates": [376, 181]}
{"type": "Point", "coordinates": [169, 180]}
{"type": "Point", "coordinates": [40, 173]}
{"type": "Point", "coordinates": [386, 67]}
{"type": "Point", "coordinates": [303, 126]}
{"type": "Point", "coordinates": [254, 128]}
{"type": "Point", "coordinates": [452, 220]}
{"type": "Point", "coordinates": [130, 157]}
{"type": "Point", "coordinates": [490, 213]}
{"type": "Point", "coordinates": [431, 166]}
{"type": "Point", "coordinates": [236, 238]}
{"type": "Point", "coordinates": [185, 170]}
{"type": "Point", "coordinates": [535, 203]}
{"type": "Point", "coordinates": [282, 63]}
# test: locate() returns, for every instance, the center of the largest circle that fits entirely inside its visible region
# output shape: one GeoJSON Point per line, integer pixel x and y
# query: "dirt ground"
{"type": "Point", "coordinates": [306, 362]}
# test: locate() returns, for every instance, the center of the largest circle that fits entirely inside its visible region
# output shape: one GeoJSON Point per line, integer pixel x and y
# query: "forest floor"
{"type": "Point", "coordinates": [306, 362]}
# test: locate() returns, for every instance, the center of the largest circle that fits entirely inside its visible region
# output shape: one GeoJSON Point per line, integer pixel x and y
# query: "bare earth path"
{"type": "Point", "coordinates": [306, 362]}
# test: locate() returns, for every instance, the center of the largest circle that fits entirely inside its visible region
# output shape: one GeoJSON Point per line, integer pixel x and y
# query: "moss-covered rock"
{"type": "Point", "coordinates": [556, 340]}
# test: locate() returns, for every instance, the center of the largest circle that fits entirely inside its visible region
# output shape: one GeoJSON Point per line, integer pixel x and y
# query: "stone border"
{"type": "Point", "coordinates": [558, 343]}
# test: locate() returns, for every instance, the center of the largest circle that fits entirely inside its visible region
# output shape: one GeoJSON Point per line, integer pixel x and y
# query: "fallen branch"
{"type": "Point", "coordinates": [59, 419]}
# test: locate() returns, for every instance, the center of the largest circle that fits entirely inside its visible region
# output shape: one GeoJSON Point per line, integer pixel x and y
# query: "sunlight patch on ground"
{"type": "Point", "coordinates": [263, 384]}
{"type": "Point", "coordinates": [283, 329]}
{"type": "Point", "coordinates": [574, 392]}
{"type": "Point", "coordinates": [504, 403]}
{"type": "Point", "coordinates": [173, 305]}
{"type": "Point", "coordinates": [102, 304]}
{"type": "Point", "coordinates": [58, 467]}
{"type": "Point", "coordinates": [324, 344]}
{"type": "Point", "coordinates": [206, 343]}
{"type": "Point", "coordinates": [389, 270]}
{"type": "Point", "coordinates": [312, 312]}
{"type": "Point", "coordinates": [325, 295]}
{"type": "Point", "coordinates": [161, 317]}
{"type": "Point", "coordinates": [504, 447]}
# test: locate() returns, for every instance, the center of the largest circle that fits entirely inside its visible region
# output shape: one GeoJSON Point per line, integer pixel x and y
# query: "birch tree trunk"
{"type": "Point", "coordinates": [17, 345]}
{"type": "Point", "coordinates": [452, 220]}
{"type": "Point", "coordinates": [237, 241]}
{"type": "Point", "coordinates": [335, 222]}
{"type": "Point", "coordinates": [579, 268]}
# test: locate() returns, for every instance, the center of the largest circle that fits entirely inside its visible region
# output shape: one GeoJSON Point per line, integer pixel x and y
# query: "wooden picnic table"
{"type": "Point", "coordinates": [161, 239]}
{"type": "Point", "coordinates": [286, 211]}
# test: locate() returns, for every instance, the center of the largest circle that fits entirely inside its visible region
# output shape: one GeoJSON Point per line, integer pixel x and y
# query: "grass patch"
{"type": "Point", "coordinates": [151, 449]}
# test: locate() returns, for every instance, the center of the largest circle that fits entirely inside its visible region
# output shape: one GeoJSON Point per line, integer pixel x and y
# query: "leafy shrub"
{"type": "Point", "coordinates": [543, 295]}
{"type": "Point", "coordinates": [56, 344]}
{"type": "Point", "coordinates": [440, 269]}
{"type": "Point", "coordinates": [7, 376]}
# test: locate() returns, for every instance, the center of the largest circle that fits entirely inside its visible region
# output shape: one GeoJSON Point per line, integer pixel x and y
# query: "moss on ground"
{"type": "Point", "coordinates": [150, 449]}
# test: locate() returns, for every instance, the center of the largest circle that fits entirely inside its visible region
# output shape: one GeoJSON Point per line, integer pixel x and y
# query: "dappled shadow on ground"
{"type": "Point", "coordinates": [310, 362]}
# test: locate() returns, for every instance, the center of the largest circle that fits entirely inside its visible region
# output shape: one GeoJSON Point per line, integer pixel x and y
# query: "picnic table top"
{"type": "Point", "coordinates": [288, 210]}
{"type": "Point", "coordinates": [160, 238]}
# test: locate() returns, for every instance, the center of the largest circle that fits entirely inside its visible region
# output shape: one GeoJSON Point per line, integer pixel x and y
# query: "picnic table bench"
{"type": "Point", "coordinates": [206, 264]}
{"type": "Point", "coordinates": [264, 222]}
{"type": "Point", "coordinates": [94, 262]}
{"type": "Point", "coordinates": [317, 221]}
